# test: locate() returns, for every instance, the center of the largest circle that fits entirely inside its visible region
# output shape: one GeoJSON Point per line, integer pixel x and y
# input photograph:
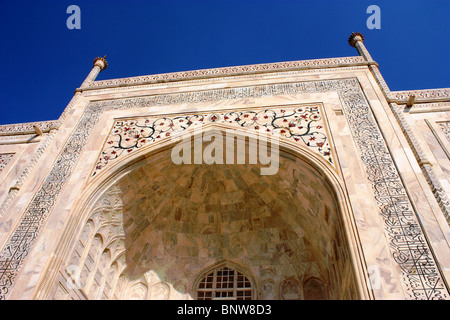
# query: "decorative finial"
{"type": "Point", "coordinates": [101, 62]}
{"type": "Point", "coordinates": [355, 36]}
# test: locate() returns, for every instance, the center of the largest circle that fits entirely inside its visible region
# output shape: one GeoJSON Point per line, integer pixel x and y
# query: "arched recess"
{"type": "Point", "coordinates": [284, 228]}
{"type": "Point", "coordinates": [314, 289]}
{"type": "Point", "coordinates": [225, 281]}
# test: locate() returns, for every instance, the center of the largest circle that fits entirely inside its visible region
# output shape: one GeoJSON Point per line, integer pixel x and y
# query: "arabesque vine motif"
{"type": "Point", "coordinates": [303, 124]}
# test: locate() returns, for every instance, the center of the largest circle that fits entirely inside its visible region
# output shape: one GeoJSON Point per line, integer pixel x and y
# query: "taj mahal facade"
{"type": "Point", "coordinates": [122, 198]}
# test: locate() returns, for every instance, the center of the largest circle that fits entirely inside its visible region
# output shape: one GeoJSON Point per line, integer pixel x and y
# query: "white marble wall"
{"type": "Point", "coordinates": [370, 246]}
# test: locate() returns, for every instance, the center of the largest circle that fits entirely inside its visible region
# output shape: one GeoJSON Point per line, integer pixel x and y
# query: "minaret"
{"type": "Point", "coordinates": [356, 40]}
{"type": "Point", "coordinates": [100, 64]}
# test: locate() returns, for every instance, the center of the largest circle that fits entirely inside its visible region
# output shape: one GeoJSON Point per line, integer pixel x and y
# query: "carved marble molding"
{"type": "Point", "coordinates": [430, 107]}
{"type": "Point", "coordinates": [418, 272]}
{"type": "Point", "coordinates": [252, 76]}
{"type": "Point", "coordinates": [428, 95]}
{"type": "Point", "coordinates": [28, 128]}
{"type": "Point", "coordinates": [19, 139]}
{"type": "Point", "coordinates": [227, 71]}
{"type": "Point", "coordinates": [303, 124]}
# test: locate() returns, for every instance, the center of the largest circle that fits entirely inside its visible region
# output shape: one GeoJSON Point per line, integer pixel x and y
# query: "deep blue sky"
{"type": "Point", "coordinates": [42, 62]}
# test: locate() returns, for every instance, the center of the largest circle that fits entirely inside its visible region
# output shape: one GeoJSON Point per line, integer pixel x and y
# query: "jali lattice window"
{"type": "Point", "coordinates": [225, 284]}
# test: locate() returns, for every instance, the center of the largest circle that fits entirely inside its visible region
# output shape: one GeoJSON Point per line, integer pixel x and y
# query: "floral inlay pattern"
{"type": "Point", "coordinates": [303, 124]}
{"type": "Point", "coordinates": [445, 126]}
{"type": "Point", "coordinates": [4, 160]}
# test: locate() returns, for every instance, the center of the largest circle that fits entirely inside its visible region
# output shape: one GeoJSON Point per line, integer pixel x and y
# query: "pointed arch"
{"type": "Point", "coordinates": [225, 281]}
{"type": "Point", "coordinates": [108, 178]}
{"type": "Point", "coordinates": [314, 289]}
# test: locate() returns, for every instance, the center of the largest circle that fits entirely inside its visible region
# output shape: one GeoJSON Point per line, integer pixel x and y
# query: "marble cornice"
{"type": "Point", "coordinates": [421, 96]}
{"type": "Point", "coordinates": [28, 128]}
{"type": "Point", "coordinates": [229, 71]}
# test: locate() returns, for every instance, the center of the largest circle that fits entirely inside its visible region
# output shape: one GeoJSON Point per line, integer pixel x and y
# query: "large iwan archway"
{"type": "Point", "coordinates": [189, 231]}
